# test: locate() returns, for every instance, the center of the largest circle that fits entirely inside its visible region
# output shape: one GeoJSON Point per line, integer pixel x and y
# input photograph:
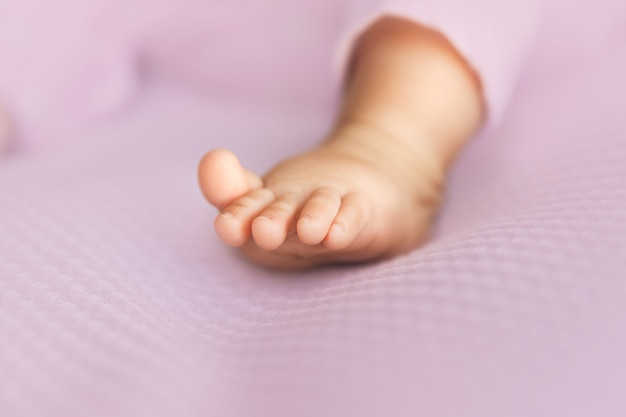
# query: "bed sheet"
{"type": "Point", "coordinates": [116, 298]}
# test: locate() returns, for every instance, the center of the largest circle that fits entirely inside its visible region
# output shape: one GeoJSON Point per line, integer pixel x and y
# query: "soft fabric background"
{"type": "Point", "coordinates": [116, 299]}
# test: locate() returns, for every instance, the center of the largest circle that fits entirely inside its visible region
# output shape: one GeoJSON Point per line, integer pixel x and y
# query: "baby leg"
{"type": "Point", "coordinates": [371, 189]}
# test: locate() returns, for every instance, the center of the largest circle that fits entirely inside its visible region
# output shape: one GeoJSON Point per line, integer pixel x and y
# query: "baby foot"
{"type": "Point", "coordinates": [342, 202]}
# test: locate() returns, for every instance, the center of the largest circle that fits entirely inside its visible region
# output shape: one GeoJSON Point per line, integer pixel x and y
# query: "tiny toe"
{"type": "Point", "coordinates": [348, 223]}
{"type": "Point", "coordinates": [317, 216]}
{"type": "Point", "coordinates": [223, 179]}
{"type": "Point", "coordinates": [274, 222]}
{"type": "Point", "coordinates": [233, 224]}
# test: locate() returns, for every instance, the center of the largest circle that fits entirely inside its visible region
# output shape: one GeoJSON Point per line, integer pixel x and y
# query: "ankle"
{"type": "Point", "coordinates": [371, 140]}
{"type": "Point", "coordinates": [409, 161]}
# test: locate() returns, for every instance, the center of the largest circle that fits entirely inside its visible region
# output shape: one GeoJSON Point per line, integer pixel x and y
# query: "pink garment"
{"type": "Point", "coordinates": [116, 299]}
{"type": "Point", "coordinates": [72, 62]}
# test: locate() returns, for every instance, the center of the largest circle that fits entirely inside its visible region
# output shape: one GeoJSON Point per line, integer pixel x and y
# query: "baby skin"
{"type": "Point", "coordinates": [373, 187]}
{"type": "Point", "coordinates": [5, 129]}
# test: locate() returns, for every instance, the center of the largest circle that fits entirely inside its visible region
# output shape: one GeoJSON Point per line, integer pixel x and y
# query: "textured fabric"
{"type": "Point", "coordinates": [116, 299]}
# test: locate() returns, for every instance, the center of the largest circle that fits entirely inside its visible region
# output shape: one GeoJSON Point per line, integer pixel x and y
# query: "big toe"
{"type": "Point", "coordinates": [223, 179]}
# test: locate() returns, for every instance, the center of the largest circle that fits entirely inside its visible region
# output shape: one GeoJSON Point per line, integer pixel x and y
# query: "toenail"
{"type": "Point", "coordinates": [227, 215]}
{"type": "Point", "coordinates": [306, 219]}
{"type": "Point", "coordinates": [264, 217]}
{"type": "Point", "coordinates": [337, 228]}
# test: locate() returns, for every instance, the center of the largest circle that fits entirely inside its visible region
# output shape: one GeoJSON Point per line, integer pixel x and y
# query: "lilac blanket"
{"type": "Point", "coordinates": [116, 299]}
